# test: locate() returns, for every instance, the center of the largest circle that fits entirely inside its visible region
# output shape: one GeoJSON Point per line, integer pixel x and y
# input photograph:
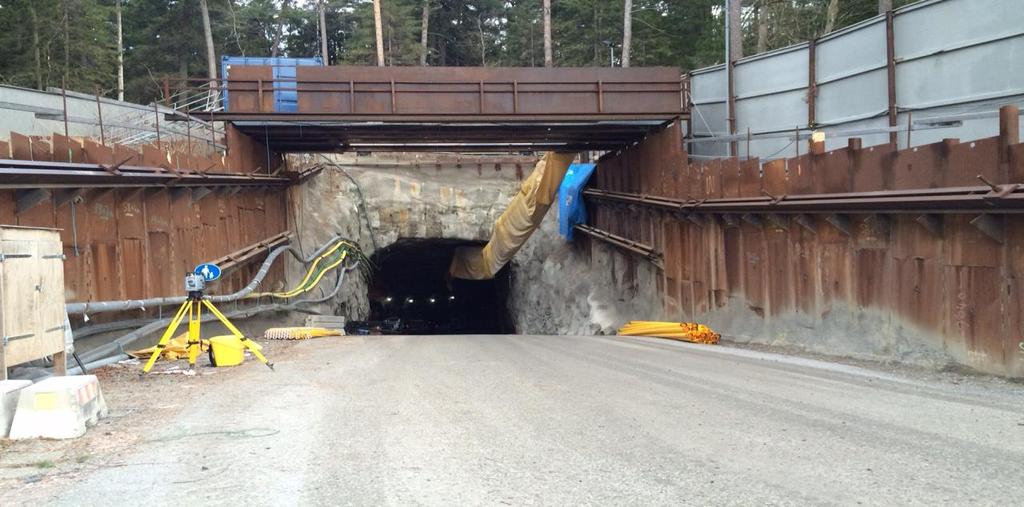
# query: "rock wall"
{"type": "Point", "coordinates": [558, 287]}
{"type": "Point", "coordinates": [580, 287]}
{"type": "Point", "coordinates": [378, 205]}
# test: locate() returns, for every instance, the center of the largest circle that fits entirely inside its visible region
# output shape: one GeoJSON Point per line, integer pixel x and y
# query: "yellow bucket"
{"type": "Point", "coordinates": [226, 351]}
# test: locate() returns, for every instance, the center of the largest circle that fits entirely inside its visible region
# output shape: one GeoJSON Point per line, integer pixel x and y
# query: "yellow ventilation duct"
{"type": "Point", "coordinates": [517, 223]}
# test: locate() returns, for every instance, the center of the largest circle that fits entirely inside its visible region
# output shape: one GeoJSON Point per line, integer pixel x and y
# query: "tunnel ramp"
{"type": "Point", "coordinates": [517, 223]}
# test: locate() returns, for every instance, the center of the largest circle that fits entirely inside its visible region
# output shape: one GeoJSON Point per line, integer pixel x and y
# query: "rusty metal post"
{"type": "Point", "coordinates": [188, 136]}
{"type": "Point", "coordinates": [796, 140]}
{"type": "Point", "coordinates": [352, 96]}
{"type": "Point", "coordinates": [890, 65]}
{"type": "Point", "coordinates": [99, 117]}
{"type": "Point", "coordinates": [816, 147]}
{"type": "Point", "coordinates": [167, 90]}
{"type": "Point", "coordinates": [213, 138]}
{"type": "Point", "coordinates": [394, 101]}
{"type": "Point", "coordinates": [1009, 130]}
{"type": "Point", "coordinates": [259, 95]}
{"type": "Point", "coordinates": [64, 97]}
{"type": "Point", "coordinates": [481, 97]}
{"type": "Point", "coordinates": [748, 142]}
{"type": "Point", "coordinates": [910, 126]}
{"type": "Point", "coordinates": [1009, 135]}
{"type": "Point", "coordinates": [812, 83]}
{"type": "Point", "coordinates": [156, 118]}
{"type": "Point", "coordinates": [515, 97]}
{"type": "Point", "coordinates": [686, 107]}
{"type": "Point", "coordinates": [731, 103]}
{"type": "Point", "coordinates": [600, 96]}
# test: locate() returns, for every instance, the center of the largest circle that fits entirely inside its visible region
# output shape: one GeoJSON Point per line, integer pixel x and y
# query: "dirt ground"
{"type": "Point", "coordinates": [38, 469]}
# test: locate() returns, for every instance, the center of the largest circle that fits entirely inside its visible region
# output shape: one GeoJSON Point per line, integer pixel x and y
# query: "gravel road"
{"type": "Point", "coordinates": [513, 420]}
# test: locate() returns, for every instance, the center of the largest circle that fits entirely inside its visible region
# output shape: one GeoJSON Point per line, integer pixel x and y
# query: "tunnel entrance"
{"type": "Point", "coordinates": [411, 293]}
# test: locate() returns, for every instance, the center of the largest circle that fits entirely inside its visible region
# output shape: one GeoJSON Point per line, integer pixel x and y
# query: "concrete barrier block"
{"type": "Point", "coordinates": [58, 407]}
{"type": "Point", "coordinates": [9, 393]}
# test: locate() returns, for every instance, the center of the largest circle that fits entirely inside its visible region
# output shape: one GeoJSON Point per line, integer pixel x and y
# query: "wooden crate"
{"type": "Point", "coordinates": [32, 317]}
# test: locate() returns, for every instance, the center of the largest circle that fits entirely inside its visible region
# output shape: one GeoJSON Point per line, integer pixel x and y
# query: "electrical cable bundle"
{"type": "Point", "coordinates": [325, 262]}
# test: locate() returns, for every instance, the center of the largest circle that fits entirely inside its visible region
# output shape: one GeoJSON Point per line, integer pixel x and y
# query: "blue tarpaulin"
{"type": "Point", "coordinates": [571, 210]}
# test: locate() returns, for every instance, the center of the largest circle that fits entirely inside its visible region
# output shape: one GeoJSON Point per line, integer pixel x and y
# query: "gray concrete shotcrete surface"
{"type": "Point", "coordinates": [547, 420]}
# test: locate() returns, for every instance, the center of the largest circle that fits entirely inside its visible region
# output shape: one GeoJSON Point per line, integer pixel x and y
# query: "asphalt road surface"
{"type": "Point", "coordinates": [514, 420]}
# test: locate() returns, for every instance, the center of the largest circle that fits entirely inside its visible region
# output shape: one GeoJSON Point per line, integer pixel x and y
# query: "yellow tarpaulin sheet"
{"type": "Point", "coordinates": [517, 223]}
{"type": "Point", "coordinates": [176, 348]}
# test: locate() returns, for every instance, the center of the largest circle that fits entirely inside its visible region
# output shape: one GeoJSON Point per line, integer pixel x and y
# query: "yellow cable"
{"type": "Point", "coordinates": [321, 275]}
{"type": "Point", "coordinates": [302, 290]}
{"type": "Point", "coordinates": [316, 263]}
{"type": "Point", "coordinates": [302, 287]}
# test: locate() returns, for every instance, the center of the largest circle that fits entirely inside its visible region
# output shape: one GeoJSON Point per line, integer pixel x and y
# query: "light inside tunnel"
{"type": "Point", "coordinates": [411, 293]}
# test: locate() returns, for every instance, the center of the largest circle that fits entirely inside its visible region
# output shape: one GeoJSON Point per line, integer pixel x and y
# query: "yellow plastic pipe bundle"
{"type": "Point", "coordinates": [684, 331]}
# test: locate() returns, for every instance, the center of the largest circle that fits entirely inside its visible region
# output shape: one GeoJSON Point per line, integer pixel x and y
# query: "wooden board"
{"type": "Point", "coordinates": [31, 295]}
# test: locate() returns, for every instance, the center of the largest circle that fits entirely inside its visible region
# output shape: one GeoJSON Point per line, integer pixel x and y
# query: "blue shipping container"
{"type": "Point", "coordinates": [286, 99]}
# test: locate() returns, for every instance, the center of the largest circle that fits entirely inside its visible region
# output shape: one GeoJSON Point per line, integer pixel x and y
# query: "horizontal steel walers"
{"type": "Point", "coordinates": [980, 199]}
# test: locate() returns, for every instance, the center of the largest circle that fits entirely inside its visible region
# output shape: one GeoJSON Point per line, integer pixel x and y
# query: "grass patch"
{"type": "Point", "coordinates": [83, 458]}
{"type": "Point", "coordinates": [44, 464]}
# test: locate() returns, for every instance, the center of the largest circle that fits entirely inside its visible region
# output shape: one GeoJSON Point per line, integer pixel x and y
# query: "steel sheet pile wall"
{"type": "Point", "coordinates": [874, 282]}
{"type": "Point", "coordinates": [951, 59]}
{"type": "Point", "coordinates": [131, 240]}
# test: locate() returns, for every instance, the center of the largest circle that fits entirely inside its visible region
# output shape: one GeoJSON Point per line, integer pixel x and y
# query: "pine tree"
{"type": "Point", "coordinates": [165, 38]}
{"type": "Point", "coordinates": [75, 40]}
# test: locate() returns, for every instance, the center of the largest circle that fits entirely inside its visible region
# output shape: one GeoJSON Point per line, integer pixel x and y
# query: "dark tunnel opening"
{"type": "Point", "coordinates": [411, 293]}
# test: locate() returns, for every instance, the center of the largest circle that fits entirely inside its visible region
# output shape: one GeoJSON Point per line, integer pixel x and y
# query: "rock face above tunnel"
{"type": "Point", "coordinates": [378, 201]}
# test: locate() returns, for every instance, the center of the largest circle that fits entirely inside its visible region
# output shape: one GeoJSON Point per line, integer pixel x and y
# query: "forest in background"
{"type": "Point", "coordinates": [44, 43]}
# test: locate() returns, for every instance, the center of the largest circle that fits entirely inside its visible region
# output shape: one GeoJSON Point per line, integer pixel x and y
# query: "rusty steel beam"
{"type": "Point", "coordinates": [246, 254]}
{"type": "Point", "coordinates": [37, 174]}
{"type": "Point", "coordinates": [981, 199]}
{"type": "Point", "coordinates": [450, 117]}
{"type": "Point", "coordinates": [633, 247]}
{"type": "Point", "coordinates": [469, 90]}
{"type": "Point", "coordinates": [285, 132]}
{"type": "Point", "coordinates": [472, 109]}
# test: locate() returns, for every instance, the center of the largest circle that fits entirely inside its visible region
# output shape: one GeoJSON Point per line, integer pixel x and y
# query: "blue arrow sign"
{"type": "Point", "coordinates": [208, 271]}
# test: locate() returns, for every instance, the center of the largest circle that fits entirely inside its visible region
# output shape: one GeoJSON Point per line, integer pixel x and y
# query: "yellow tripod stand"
{"type": "Point", "coordinates": [194, 307]}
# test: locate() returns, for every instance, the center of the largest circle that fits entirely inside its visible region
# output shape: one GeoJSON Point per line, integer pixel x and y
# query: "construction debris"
{"type": "Point", "coordinates": [300, 333]}
{"type": "Point", "coordinates": [683, 331]}
{"type": "Point", "coordinates": [176, 348]}
{"type": "Point", "coordinates": [327, 321]}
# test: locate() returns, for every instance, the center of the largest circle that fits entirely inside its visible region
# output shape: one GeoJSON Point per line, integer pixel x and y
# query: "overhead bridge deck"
{"type": "Point", "coordinates": [450, 108]}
